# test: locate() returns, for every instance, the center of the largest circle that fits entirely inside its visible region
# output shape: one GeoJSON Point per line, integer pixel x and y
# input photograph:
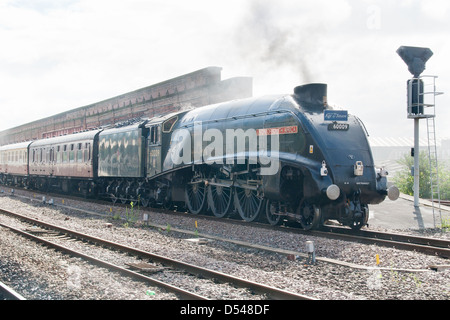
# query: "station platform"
{"type": "Point", "coordinates": [401, 214]}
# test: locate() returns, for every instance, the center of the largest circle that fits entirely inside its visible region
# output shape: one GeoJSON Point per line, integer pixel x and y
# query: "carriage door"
{"type": "Point", "coordinates": [154, 150]}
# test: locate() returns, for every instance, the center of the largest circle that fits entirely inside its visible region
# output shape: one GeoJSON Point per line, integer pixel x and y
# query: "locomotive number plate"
{"type": "Point", "coordinates": [338, 126]}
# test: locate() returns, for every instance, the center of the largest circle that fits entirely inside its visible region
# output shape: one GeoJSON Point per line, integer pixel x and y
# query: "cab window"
{"type": "Point", "coordinates": [168, 124]}
{"type": "Point", "coordinates": [155, 135]}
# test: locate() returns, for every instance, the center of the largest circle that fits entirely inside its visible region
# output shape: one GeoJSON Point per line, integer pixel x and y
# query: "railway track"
{"type": "Point", "coordinates": [182, 293]}
{"type": "Point", "coordinates": [443, 202]}
{"type": "Point", "coordinates": [224, 235]}
{"type": "Point", "coordinates": [267, 291]}
{"type": "Point", "coordinates": [431, 246]}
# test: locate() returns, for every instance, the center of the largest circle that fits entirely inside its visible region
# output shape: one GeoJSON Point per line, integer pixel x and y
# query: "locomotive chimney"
{"type": "Point", "coordinates": [312, 94]}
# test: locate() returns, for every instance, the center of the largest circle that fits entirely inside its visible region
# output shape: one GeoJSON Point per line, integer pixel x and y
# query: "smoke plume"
{"type": "Point", "coordinates": [269, 38]}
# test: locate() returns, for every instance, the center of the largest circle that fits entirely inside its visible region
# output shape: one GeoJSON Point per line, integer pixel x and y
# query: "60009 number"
{"type": "Point", "coordinates": [338, 126]}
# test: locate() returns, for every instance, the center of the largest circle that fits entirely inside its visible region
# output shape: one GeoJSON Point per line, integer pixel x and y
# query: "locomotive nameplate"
{"type": "Point", "coordinates": [335, 115]}
{"type": "Point", "coordinates": [276, 131]}
{"type": "Point", "coordinates": [338, 126]}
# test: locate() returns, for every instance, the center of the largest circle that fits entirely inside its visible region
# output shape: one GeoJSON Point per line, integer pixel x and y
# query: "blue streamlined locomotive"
{"type": "Point", "coordinates": [274, 157]}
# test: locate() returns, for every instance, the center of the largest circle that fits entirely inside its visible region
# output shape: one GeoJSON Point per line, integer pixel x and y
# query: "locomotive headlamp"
{"type": "Point", "coordinates": [358, 168]}
{"type": "Point", "coordinates": [324, 170]}
{"type": "Point", "coordinates": [381, 172]}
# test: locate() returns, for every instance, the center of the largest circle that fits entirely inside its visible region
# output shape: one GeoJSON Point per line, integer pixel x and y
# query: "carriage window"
{"type": "Point", "coordinates": [79, 153]}
{"type": "Point", "coordinates": [58, 154]}
{"type": "Point", "coordinates": [71, 153]}
{"type": "Point", "coordinates": [87, 152]}
{"type": "Point", "coordinates": [64, 157]}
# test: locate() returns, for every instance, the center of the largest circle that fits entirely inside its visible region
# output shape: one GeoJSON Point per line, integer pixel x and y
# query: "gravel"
{"type": "Point", "coordinates": [47, 274]}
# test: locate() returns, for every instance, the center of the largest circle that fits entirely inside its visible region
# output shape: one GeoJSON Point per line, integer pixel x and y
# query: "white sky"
{"type": "Point", "coordinates": [57, 55]}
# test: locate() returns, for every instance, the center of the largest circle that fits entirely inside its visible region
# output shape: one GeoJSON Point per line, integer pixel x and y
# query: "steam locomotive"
{"type": "Point", "coordinates": [274, 157]}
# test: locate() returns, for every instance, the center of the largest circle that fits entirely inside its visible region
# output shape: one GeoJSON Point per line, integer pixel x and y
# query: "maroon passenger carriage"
{"type": "Point", "coordinates": [66, 163]}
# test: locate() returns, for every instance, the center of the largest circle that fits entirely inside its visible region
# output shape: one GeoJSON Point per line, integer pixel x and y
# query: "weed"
{"type": "Point", "coordinates": [445, 224]}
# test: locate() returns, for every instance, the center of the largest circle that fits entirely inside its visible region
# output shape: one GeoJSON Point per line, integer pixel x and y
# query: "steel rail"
{"type": "Point", "coordinates": [432, 246]}
{"type": "Point", "coordinates": [435, 242]}
{"type": "Point", "coordinates": [8, 293]}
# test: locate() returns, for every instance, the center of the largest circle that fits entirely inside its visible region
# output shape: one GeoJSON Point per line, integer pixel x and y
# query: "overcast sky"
{"type": "Point", "coordinates": [57, 55]}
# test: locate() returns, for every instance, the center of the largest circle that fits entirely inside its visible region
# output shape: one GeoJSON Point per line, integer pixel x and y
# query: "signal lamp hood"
{"type": "Point", "coordinates": [415, 58]}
